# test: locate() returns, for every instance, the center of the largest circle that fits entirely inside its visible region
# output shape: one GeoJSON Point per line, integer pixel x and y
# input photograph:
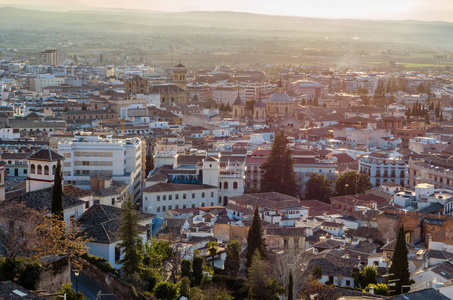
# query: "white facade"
{"type": "Point", "coordinates": [159, 198]}
{"type": "Point", "coordinates": [8, 133]}
{"type": "Point", "coordinates": [369, 137]}
{"type": "Point", "coordinates": [382, 169]}
{"type": "Point", "coordinates": [45, 80]}
{"type": "Point", "coordinates": [87, 156]}
{"type": "Point", "coordinates": [227, 95]}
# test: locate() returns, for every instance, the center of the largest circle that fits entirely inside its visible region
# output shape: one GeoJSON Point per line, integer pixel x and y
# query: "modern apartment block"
{"type": "Point", "coordinates": [88, 156]}
{"type": "Point", "coordinates": [47, 58]}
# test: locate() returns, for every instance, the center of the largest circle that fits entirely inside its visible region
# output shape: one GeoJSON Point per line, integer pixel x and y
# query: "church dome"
{"type": "Point", "coordinates": [280, 97]}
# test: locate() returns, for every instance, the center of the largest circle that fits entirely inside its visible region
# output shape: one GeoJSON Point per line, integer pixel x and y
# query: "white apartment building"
{"type": "Point", "coordinates": [421, 144]}
{"type": "Point", "coordinates": [254, 89]}
{"type": "Point", "coordinates": [87, 156]}
{"type": "Point", "coordinates": [227, 95]}
{"type": "Point", "coordinates": [44, 80]}
{"type": "Point", "coordinates": [369, 137]}
{"type": "Point", "coordinates": [382, 168]}
{"type": "Point", "coordinates": [163, 196]}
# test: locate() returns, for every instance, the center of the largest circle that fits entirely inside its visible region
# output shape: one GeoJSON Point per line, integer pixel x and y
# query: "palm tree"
{"type": "Point", "coordinates": [212, 249]}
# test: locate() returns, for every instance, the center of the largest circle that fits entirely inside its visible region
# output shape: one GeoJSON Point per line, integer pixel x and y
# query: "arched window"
{"type": "Point", "coordinates": [39, 169]}
{"type": "Point", "coordinates": [46, 170]}
{"type": "Point", "coordinates": [235, 185]}
{"type": "Point", "coordinates": [225, 200]}
{"type": "Point", "coordinates": [225, 185]}
{"type": "Point", "coordinates": [220, 185]}
{"type": "Point", "coordinates": [33, 168]}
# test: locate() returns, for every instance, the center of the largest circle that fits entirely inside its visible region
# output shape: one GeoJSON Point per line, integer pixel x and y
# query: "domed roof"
{"type": "Point", "coordinates": [281, 97]}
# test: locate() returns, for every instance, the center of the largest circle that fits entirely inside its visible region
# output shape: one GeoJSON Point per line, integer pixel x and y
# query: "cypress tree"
{"type": "Point", "coordinates": [290, 286]}
{"type": "Point", "coordinates": [399, 269]}
{"type": "Point", "coordinates": [278, 169]}
{"type": "Point", "coordinates": [255, 240]}
{"type": "Point", "coordinates": [56, 206]}
{"type": "Point", "coordinates": [197, 270]}
{"type": "Point", "coordinates": [131, 242]}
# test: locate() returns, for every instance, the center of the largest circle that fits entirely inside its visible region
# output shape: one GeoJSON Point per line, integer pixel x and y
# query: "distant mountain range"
{"type": "Point", "coordinates": [440, 33]}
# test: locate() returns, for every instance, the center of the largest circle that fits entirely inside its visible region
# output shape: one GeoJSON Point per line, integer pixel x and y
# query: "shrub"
{"type": "Point", "coordinates": [101, 263]}
{"type": "Point", "coordinates": [166, 291]}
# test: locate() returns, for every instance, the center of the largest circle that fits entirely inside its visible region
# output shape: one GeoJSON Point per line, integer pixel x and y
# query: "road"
{"type": "Point", "coordinates": [90, 288]}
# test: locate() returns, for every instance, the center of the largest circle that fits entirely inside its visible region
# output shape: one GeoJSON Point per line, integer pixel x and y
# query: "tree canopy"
{"type": "Point", "coordinates": [351, 183]}
{"type": "Point", "coordinates": [233, 258]}
{"type": "Point", "coordinates": [131, 242]}
{"type": "Point", "coordinates": [255, 239]}
{"type": "Point", "coordinates": [57, 194]}
{"type": "Point", "coordinates": [279, 175]}
{"type": "Point", "coordinates": [318, 187]}
{"type": "Point", "coordinates": [399, 269]}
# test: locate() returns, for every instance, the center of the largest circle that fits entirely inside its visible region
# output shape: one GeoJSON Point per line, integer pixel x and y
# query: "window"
{"type": "Point", "coordinates": [164, 197]}
{"type": "Point", "coordinates": [39, 169]}
{"type": "Point", "coordinates": [202, 195]}
{"type": "Point", "coordinates": [169, 207]}
{"type": "Point", "coordinates": [184, 196]}
{"type": "Point", "coordinates": [348, 283]}
{"type": "Point", "coordinates": [183, 206]}
{"type": "Point", "coordinates": [202, 204]}
{"type": "Point", "coordinates": [193, 195]}
{"type": "Point", "coordinates": [235, 185]}
{"type": "Point", "coordinates": [164, 208]}
{"type": "Point", "coordinates": [46, 170]}
{"type": "Point", "coordinates": [193, 205]}
{"type": "Point", "coordinates": [33, 169]}
{"type": "Point", "coordinates": [158, 208]}
{"type": "Point", "coordinates": [158, 197]}
{"type": "Point", "coordinates": [176, 206]}
{"type": "Point", "coordinates": [117, 254]}
{"type": "Point", "coordinates": [225, 185]}
{"type": "Point", "coordinates": [170, 197]}
{"type": "Point", "coordinates": [177, 196]}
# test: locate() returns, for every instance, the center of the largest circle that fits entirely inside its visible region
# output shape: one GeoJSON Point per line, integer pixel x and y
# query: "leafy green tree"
{"type": "Point", "coordinates": [352, 183]}
{"type": "Point", "coordinates": [70, 293]}
{"type": "Point", "coordinates": [255, 239]}
{"type": "Point", "coordinates": [279, 175]}
{"type": "Point", "coordinates": [166, 291]}
{"type": "Point", "coordinates": [186, 268]}
{"type": "Point", "coordinates": [366, 277]}
{"type": "Point", "coordinates": [318, 187]}
{"type": "Point", "coordinates": [399, 269]}
{"type": "Point", "coordinates": [379, 289]}
{"type": "Point", "coordinates": [316, 272]}
{"type": "Point", "coordinates": [212, 249]}
{"type": "Point", "coordinates": [233, 258]}
{"type": "Point", "coordinates": [290, 286]}
{"type": "Point", "coordinates": [57, 194]}
{"type": "Point", "coordinates": [260, 278]}
{"type": "Point", "coordinates": [131, 242]}
{"type": "Point", "coordinates": [184, 287]}
{"type": "Point", "coordinates": [197, 267]}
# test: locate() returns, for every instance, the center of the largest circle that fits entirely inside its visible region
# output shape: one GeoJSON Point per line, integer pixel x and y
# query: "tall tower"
{"type": "Point", "coordinates": [259, 111]}
{"type": "Point", "coordinates": [180, 76]}
{"type": "Point", "coordinates": [210, 171]}
{"type": "Point", "coordinates": [238, 108]}
{"type": "Point", "coordinates": [41, 169]}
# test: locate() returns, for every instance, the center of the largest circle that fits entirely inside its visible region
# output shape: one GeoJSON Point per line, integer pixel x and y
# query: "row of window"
{"type": "Point", "coordinates": [184, 196]}
{"type": "Point", "coordinates": [39, 169]}
{"type": "Point", "coordinates": [225, 185]}
{"type": "Point", "coordinates": [164, 208]}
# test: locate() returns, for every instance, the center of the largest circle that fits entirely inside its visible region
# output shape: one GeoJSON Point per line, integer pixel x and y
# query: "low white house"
{"type": "Point", "coordinates": [101, 223]}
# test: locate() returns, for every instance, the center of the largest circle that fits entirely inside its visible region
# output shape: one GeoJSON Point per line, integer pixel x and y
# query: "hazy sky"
{"type": "Point", "coordinates": [360, 9]}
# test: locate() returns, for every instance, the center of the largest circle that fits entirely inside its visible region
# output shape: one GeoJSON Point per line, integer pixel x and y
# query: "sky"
{"type": "Point", "coordinates": [429, 10]}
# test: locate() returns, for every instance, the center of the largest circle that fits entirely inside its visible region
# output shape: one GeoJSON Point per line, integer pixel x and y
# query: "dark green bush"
{"type": "Point", "coordinates": [101, 263]}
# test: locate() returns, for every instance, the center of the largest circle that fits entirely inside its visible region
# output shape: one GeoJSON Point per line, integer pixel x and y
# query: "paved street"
{"type": "Point", "coordinates": [90, 288]}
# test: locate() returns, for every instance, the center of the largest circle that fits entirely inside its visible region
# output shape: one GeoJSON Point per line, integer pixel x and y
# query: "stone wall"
{"type": "Point", "coordinates": [109, 282]}
{"type": "Point", "coordinates": [57, 272]}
